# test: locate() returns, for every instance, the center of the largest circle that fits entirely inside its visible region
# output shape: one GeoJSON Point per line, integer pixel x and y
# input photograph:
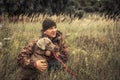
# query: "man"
{"type": "Point", "coordinates": [30, 69]}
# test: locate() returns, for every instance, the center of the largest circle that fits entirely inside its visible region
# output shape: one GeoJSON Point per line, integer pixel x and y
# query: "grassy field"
{"type": "Point", "coordinates": [93, 44]}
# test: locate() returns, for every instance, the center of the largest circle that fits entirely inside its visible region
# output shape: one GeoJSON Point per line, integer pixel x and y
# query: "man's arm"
{"type": "Point", "coordinates": [63, 49]}
{"type": "Point", "coordinates": [24, 57]}
{"type": "Point", "coordinates": [64, 52]}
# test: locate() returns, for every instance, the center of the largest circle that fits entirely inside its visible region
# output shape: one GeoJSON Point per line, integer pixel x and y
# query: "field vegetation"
{"type": "Point", "coordinates": [93, 41]}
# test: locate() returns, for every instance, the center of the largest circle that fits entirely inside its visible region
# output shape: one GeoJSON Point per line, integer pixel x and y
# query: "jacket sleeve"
{"type": "Point", "coordinates": [64, 52]}
{"type": "Point", "coordinates": [24, 57]}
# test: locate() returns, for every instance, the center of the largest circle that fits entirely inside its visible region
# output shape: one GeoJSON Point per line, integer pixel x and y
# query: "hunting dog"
{"type": "Point", "coordinates": [44, 47]}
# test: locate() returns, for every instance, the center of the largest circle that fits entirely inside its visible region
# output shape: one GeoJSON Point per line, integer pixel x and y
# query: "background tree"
{"type": "Point", "coordinates": [111, 8]}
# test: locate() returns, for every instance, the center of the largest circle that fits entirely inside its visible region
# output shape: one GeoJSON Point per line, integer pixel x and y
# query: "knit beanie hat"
{"type": "Point", "coordinates": [47, 23]}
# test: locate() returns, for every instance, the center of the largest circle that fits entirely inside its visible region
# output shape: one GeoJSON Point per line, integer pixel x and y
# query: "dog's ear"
{"type": "Point", "coordinates": [41, 43]}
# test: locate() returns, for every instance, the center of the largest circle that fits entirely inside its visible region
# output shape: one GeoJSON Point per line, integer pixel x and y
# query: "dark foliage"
{"type": "Point", "coordinates": [111, 8]}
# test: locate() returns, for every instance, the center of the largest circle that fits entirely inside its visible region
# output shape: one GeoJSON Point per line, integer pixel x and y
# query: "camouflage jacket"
{"type": "Point", "coordinates": [24, 58]}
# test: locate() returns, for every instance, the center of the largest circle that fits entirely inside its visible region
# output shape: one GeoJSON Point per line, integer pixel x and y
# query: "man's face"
{"type": "Point", "coordinates": [51, 32]}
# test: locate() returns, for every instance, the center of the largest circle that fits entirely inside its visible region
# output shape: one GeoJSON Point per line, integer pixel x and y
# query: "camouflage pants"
{"type": "Point", "coordinates": [27, 74]}
{"type": "Point", "coordinates": [54, 65]}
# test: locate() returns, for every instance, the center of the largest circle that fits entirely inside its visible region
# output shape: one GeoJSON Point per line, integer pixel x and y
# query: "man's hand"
{"type": "Point", "coordinates": [41, 65]}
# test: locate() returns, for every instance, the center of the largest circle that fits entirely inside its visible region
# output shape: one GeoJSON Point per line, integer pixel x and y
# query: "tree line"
{"type": "Point", "coordinates": [76, 8]}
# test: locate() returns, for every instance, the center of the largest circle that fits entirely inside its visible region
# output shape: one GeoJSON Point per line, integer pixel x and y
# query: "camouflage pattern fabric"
{"type": "Point", "coordinates": [36, 50]}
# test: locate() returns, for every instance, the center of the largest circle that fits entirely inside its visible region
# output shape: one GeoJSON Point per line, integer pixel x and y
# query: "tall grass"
{"type": "Point", "coordinates": [93, 45]}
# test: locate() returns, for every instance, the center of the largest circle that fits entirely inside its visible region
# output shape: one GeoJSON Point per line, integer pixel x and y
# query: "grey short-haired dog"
{"type": "Point", "coordinates": [44, 46]}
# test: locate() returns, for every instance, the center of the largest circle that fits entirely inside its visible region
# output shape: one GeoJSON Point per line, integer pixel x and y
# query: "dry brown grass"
{"type": "Point", "coordinates": [93, 43]}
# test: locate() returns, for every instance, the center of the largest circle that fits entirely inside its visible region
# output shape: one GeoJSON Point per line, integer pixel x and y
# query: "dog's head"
{"type": "Point", "coordinates": [46, 44]}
